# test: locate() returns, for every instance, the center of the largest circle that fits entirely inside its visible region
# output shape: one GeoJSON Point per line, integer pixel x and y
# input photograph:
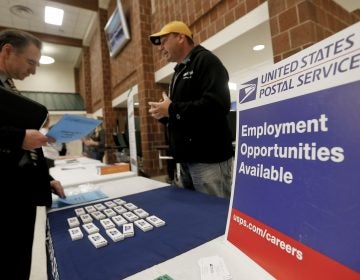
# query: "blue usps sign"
{"type": "Point", "coordinates": [297, 184]}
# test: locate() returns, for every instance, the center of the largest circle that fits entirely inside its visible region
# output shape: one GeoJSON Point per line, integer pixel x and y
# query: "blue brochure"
{"type": "Point", "coordinates": [72, 127]}
{"type": "Point", "coordinates": [78, 198]}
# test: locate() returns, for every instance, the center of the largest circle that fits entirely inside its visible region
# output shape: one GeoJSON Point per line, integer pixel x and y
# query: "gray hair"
{"type": "Point", "coordinates": [18, 39]}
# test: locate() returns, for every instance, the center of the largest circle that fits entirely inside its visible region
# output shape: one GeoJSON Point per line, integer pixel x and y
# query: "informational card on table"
{"type": "Point", "coordinates": [72, 127]}
{"type": "Point", "coordinates": [295, 203]}
{"type": "Point", "coordinates": [78, 198]}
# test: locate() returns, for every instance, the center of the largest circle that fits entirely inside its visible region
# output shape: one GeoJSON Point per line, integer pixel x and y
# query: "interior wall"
{"type": "Point", "coordinates": [205, 19]}
{"type": "Point", "coordinates": [96, 70]}
{"type": "Point", "coordinates": [296, 25]}
{"type": "Point", "coordinates": [139, 61]}
{"type": "Point", "coordinates": [50, 78]}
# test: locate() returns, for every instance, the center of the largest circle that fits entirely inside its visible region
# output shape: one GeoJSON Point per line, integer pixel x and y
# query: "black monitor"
{"type": "Point", "coordinates": [137, 134]}
{"type": "Point", "coordinates": [119, 141]}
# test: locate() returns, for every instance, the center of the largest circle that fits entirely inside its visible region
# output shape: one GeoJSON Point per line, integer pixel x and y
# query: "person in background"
{"type": "Point", "coordinates": [25, 178]}
{"type": "Point", "coordinates": [94, 144]}
{"type": "Point", "coordinates": [195, 112]}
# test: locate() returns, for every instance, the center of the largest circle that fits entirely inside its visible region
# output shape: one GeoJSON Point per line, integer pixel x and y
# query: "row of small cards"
{"type": "Point", "coordinates": [128, 230]}
{"type": "Point", "coordinates": [109, 213]}
{"type": "Point", "coordinates": [130, 211]}
{"type": "Point", "coordinates": [119, 213]}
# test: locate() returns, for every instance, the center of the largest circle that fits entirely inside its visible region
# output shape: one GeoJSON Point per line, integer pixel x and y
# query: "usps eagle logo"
{"type": "Point", "coordinates": [248, 91]}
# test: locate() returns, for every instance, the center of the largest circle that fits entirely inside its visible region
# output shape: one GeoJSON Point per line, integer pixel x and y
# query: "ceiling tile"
{"type": "Point", "coordinates": [76, 24]}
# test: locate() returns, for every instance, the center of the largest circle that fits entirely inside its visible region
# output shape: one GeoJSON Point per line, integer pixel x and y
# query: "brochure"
{"type": "Point", "coordinates": [72, 127]}
{"type": "Point", "coordinates": [78, 198]}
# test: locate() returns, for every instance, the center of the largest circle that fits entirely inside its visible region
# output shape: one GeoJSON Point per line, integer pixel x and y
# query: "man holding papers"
{"type": "Point", "coordinates": [26, 182]}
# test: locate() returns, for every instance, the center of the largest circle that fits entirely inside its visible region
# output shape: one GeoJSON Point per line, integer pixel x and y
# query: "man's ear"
{"type": "Point", "coordinates": [182, 37]}
{"type": "Point", "coordinates": [8, 48]}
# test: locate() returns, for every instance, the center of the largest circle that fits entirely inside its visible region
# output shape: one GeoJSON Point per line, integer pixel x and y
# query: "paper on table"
{"type": "Point", "coordinates": [213, 268]}
{"type": "Point", "coordinates": [78, 198]}
{"type": "Point", "coordinates": [72, 127]}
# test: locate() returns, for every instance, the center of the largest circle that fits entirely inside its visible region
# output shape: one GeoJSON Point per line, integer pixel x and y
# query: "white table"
{"type": "Point", "coordinates": [82, 160]}
{"type": "Point", "coordinates": [185, 266]}
{"type": "Point", "coordinates": [122, 187]}
{"type": "Point", "coordinates": [182, 267]}
{"type": "Point", "coordinates": [72, 173]}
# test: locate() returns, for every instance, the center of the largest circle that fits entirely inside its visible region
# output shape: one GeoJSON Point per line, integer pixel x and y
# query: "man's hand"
{"type": "Point", "coordinates": [35, 139]}
{"type": "Point", "coordinates": [57, 188]}
{"type": "Point", "coordinates": [160, 109]}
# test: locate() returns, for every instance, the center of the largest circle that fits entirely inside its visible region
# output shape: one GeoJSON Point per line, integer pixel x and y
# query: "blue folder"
{"type": "Point", "coordinates": [77, 199]}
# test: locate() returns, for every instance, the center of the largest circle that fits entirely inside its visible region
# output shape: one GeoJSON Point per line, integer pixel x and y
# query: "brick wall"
{"type": "Point", "coordinates": [77, 79]}
{"type": "Point", "coordinates": [295, 25]}
{"type": "Point", "coordinates": [205, 18]}
{"type": "Point", "coordinates": [85, 78]}
{"type": "Point", "coordinates": [96, 71]}
{"type": "Point", "coordinates": [108, 110]}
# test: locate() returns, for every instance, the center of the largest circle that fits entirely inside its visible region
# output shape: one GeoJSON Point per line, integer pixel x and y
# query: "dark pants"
{"type": "Point", "coordinates": [17, 251]}
{"type": "Point", "coordinates": [96, 155]}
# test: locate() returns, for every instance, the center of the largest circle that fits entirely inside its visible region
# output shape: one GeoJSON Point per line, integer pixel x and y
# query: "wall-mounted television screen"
{"type": "Point", "coordinates": [116, 30]}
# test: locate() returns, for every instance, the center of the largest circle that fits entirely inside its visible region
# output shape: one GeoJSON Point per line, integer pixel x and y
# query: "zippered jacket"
{"type": "Point", "coordinates": [198, 128]}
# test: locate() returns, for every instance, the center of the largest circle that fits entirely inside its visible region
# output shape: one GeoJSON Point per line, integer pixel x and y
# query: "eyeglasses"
{"type": "Point", "coordinates": [164, 39]}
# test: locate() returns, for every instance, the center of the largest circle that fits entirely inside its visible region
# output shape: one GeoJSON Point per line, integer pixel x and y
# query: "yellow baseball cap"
{"type": "Point", "coordinates": [171, 27]}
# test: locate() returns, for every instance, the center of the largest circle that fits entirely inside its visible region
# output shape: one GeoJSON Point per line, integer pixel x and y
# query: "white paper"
{"type": "Point", "coordinates": [213, 268]}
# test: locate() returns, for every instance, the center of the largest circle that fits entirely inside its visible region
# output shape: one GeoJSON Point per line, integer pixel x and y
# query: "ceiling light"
{"type": "Point", "coordinates": [46, 59]}
{"type": "Point", "coordinates": [54, 15]}
{"type": "Point", "coordinates": [22, 11]}
{"type": "Point", "coordinates": [258, 47]}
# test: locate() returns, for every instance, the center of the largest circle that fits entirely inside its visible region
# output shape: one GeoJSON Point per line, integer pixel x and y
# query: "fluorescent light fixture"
{"type": "Point", "coordinates": [232, 86]}
{"type": "Point", "coordinates": [46, 60]}
{"type": "Point", "coordinates": [54, 15]}
{"type": "Point", "coordinates": [258, 47]}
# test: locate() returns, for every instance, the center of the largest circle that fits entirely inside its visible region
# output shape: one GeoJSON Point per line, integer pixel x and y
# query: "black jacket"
{"type": "Point", "coordinates": [198, 128]}
{"type": "Point", "coordinates": [27, 183]}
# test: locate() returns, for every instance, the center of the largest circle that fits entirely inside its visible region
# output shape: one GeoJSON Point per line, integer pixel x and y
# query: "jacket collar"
{"type": "Point", "coordinates": [186, 60]}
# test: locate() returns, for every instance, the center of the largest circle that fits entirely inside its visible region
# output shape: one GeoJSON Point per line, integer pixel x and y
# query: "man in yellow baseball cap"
{"type": "Point", "coordinates": [195, 112]}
